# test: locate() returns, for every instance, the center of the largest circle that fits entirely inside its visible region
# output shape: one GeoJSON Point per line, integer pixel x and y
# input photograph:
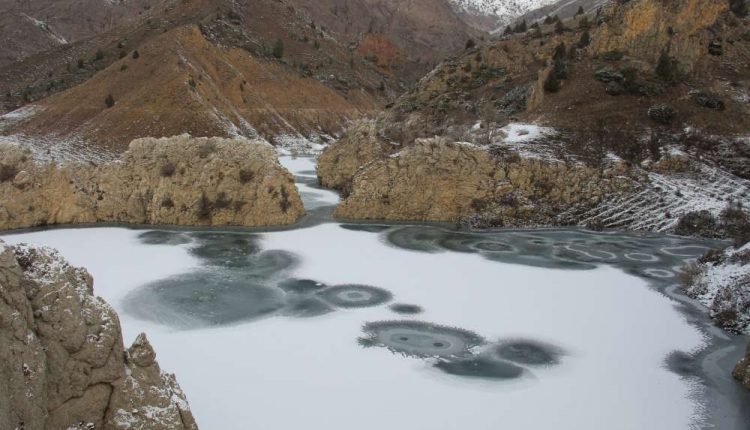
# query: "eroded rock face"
{"type": "Point", "coordinates": [176, 181]}
{"type": "Point", "coordinates": [435, 180]}
{"type": "Point", "coordinates": [361, 145]}
{"type": "Point", "coordinates": [62, 358]}
{"type": "Point", "coordinates": [646, 28]}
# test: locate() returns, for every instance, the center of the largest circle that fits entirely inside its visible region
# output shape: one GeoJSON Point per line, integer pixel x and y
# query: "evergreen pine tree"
{"type": "Point", "coordinates": [278, 49]}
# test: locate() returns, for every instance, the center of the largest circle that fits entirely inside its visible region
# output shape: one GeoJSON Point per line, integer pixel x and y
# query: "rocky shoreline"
{"type": "Point", "coordinates": [437, 180]}
{"type": "Point", "coordinates": [63, 359]}
{"type": "Point", "coordinates": [169, 181]}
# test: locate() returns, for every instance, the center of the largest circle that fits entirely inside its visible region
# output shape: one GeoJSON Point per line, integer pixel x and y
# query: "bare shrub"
{"type": "Point", "coordinates": [206, 149]}
{"type": "Point", "coordinates": [168, 169]}
{"type": "Point", "coordinates": [7, 173]}
{"type": "Point", "coordinates": [246, 175]}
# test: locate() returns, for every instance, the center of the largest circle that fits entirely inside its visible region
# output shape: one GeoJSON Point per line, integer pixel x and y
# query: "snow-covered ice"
{"type": "Point", "coordinates": [286, 373]}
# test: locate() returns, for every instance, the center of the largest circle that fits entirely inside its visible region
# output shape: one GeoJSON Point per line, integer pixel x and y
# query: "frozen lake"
{"type": "Point", "coordinates": [365, 326]}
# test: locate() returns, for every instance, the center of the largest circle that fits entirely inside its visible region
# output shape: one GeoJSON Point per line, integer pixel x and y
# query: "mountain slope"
{"type": "Point", "coordinates": [587, 124]}
{"type": "Point", "coordinates": [284, 70]}
{"type": "Point", "coordinates": [562, 8]}
{"type": "Point", "coordinates": [491, 15]}
{"type": "Point", "coordinates": [30, 27]}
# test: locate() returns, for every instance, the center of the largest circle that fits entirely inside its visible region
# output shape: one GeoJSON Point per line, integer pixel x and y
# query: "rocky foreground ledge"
{"type": "Point", "coordinates": [169, 181]}
{"type": "Point", "coordinates": [62, 359]}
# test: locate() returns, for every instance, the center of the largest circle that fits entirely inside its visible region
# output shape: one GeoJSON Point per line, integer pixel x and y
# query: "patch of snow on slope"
{"type": "Point", "coordinates": [504, 11]}
{"type": "Point", "coordinates": [527, 140]}
{"type": "Point", "coordinates": [660, 204]}
{"type": "Point", "coordinates": [56, 150]}
{"type": "Point", "coordinates": [17, 116]}
{"type": "Point", "coordinates": [45, 27]}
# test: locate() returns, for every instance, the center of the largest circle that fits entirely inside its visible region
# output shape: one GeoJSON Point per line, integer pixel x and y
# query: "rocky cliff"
{"type": "Point", "coordinates": [62, 359]}
{"type": "Point", "coordinates": [646, 28]}
{"type": "Point", "coordinates": [175, 181]}
{"type": "Point", "coordinates": [436, 180]}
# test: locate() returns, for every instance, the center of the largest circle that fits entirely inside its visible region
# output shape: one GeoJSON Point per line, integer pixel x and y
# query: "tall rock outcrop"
{"type": "Point", "coordinates": [435, 180]}
{"type": "Point", "coordinates": [361, 145]}
{"type": "Point", "coordinates": [62, 359]}
{"type": "Point", "coordinates": [646, 28]}
{"type": "Point", "coordinates": [175, 181]}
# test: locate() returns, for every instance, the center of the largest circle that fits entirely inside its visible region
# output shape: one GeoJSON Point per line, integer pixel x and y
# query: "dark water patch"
{"type": "Point", "coordinates": [405, 309]}
{"type": "Point", "coordinates": [493, 246]}
{"type": "Point", "coordinates": [420, 339]}
{"type": "Point", "coordinates": [164, 237]}
{"type": "Point", "coordinates": [306, 307]}
{"type": "Point", "coordinates": [369, 228]}
{"type": "Point", "coordinates": [528, 352]}
{"type": "Point", "coordinates": [301, 286]}
{"type": "Point", "coordinates": [214, 236]}
{"type": "Point", "coordinates": [355, 296]}
{"type": "Point", "coordinates": [683, 364]}
{"type": "Point", "coordinates": [658, 273]}
{"type": "Point", "coordinates": [204, 299]}
{"type": "Point", "coordinates": [269, 264]}
{"type": "Point", "coordinates": [423, 239]}
{"type": "Point", "coordinates": [227, 250]}
{"type": "Point", "coordinates": [581, 252]}
{"type": "Point", "coordinates": [642, 257]}
{"type": "Point", "coordinates": [480, 367]}
{"type": "Point", "coordinates": [458, 242]}
{"type": "Point", "coordinates": [650, 257]}
{"type": "Point", "coordinates": [686, 251]}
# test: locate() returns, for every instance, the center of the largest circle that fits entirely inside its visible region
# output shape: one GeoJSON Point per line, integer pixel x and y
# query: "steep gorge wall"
{"type": "Point", "coordinates": [174, 181]}
{"type": "Point", "coordinates": [62, 359]}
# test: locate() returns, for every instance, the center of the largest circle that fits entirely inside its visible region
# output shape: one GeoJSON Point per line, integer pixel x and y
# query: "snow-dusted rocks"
{"type": "Point", "coordinates": [493, 14]}
{"type": "Point", "coordinates": [722, 283]}
{"type": "Point", "coordinates": [62, 359]}
{"type": "Point", "coordinates": [178, 181]}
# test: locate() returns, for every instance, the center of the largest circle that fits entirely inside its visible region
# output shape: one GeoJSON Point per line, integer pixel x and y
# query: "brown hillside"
{"type": "Point", "coordinates": [182, 83]}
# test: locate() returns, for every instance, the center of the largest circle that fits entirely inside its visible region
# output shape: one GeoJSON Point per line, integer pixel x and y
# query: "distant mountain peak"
{"type": "Point", "coordinates": [493, 14]}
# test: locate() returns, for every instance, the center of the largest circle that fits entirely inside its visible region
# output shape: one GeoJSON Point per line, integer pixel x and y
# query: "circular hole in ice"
{"type": "Point", "coordinates": [355, 296]}
{"type": "Point", "coordinates": [420, 339]}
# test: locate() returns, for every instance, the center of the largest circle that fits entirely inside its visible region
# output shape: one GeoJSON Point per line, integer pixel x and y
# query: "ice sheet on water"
{"type": "Point", "coordinates": [611, 373]}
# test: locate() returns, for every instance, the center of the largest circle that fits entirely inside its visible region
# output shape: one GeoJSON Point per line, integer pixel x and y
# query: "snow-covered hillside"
{"type": "Point", "coordinates": [499, 12]}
